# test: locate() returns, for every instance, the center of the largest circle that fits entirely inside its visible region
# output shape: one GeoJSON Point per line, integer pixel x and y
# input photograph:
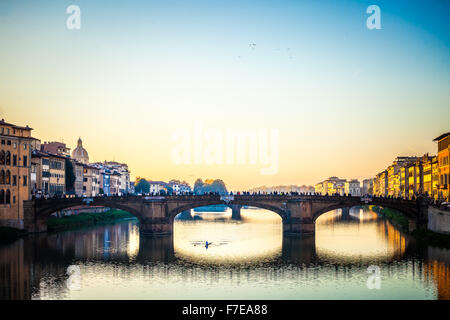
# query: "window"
{"type": "Point", "coordinates": [14, 180]}
{"type": "Point", "coordinates": [25, 146]}
{"type": "Point", "coordinates": [2, 196]}
{"type": "Point", "coordinates": [24, 181]}
{"type": "Point", "coordinates": [8, 142]}
{"type": "Point", "coordinates": [2, 157]}
{"type": "Point", "coordinates": [8, 197]}
{"type": "Point", "coordinates": [14, 145]}
{"type": "Point", "coordinates": [8, 158]}
{"type": "Point", "coordinates": [15, 160]}
{"type": "Point", "coordinates": [3, 141]}
{"type": "Point", "coordinates": [8, 177]}
{"type": "Point", "coordinates": [14, 199]}
{"type": "Point", "coordinates": [2, 177]}
{"type": "Point", "coordinates": [25, 161]}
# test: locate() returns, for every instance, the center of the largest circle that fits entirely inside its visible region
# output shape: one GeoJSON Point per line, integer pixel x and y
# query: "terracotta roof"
{"type": "Point", "coordinates": [54, 155]}
{"type": "Point", "coordinates": [15, 126]}
{"type": "Point", "coordinates": [442, 136]}
{"type": "Point", "coordinates": [90, 166]}
{"type": "Point", "coordinates": [38, 154]}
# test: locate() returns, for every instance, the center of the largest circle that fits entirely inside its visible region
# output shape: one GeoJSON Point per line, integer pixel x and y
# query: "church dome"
{"type": "Point", "coordinates": [80, 153]}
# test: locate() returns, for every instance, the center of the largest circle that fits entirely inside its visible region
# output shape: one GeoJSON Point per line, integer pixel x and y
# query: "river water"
{"type": "Point", "coordinates": [246, 259]}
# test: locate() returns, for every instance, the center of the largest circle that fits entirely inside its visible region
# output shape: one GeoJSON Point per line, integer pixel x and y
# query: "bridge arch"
{"type": "Point", "coordinates": [282, 212]}
{"type": "Point", "coordinates": [45, 211]}
{"type": "Point", "coordinates": [188, 206]}
{"type": "Point", "coordinates": [404, 210]}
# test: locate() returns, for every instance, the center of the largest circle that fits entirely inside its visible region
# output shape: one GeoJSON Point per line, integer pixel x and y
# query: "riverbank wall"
{"type": "Point", "coordinates": [438, 220]}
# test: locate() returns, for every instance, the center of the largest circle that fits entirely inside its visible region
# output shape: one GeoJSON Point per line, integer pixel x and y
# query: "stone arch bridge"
{"type": "Point", "coordinates": [156, 214]}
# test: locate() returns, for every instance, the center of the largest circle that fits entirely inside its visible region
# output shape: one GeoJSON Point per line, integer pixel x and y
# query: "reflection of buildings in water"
{"type": "Point", "coordinates": [14, 272]}
{"type": "Point", "coordinates": [437, 268]}
{"type": "Point", "coordinates": [394, 239]}
{"type": "Point", "coordinates": [100, 242]}
{"type": "Point", "coordinates": [28, 264]}
{"type": "Point", "coordinates": [370, 239]}
{"type": "Point", "coordinates": [230, 242]}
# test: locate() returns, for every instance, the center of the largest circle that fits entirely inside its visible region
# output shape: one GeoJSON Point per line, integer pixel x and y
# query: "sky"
{"type": "Point", "coordinates": [139, 78]}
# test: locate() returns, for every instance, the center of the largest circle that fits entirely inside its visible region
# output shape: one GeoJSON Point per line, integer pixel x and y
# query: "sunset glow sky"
{"type": "Point", "coordinates": [346, 100]}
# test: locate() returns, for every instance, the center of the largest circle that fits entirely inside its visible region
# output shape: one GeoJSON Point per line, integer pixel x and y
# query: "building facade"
{"type": "Point", "coordinates": [40, 173]}
{"type": "Point", "coordinates": [331, 186]}
{"type": "Point", "coordinates": [15, 168]}
{"type": "Point", "coordinates": [443, 187]}
{"type": "Point", "coordinates": [115, 183]}
{"type": "Point", "coordinates": [57, 184]}
{"type": "Point", "coordinates": [429, 179]}
{"type": "Point", "coordinates": [78, 171]}
{"type": "Point", "coordinates": [380, 184]}
{"type": "Point", "coordinates": [90, 180]}
{"type": "Point", "coordinates": [106, 181]}
{"type": "Point", "coordinates": [353, 187]}
{"type": "Point", "coordinates": [124, 175]}
{"type": "Point", "coordinates": [367, 187]}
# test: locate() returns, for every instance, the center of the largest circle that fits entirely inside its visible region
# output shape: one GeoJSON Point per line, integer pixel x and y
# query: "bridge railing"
{"type": "Point", "coordinates": [240, 197]}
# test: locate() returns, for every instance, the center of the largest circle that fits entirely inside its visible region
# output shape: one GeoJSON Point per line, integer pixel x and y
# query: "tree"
{"type": "Point", "coordinates": [142, 186]}
{"type": "Point", "coordinates": [69, 175]}
{"type": "Point", "coordinates": [198, 185]}
{"type": "Point", "coordinates": [216, 186]}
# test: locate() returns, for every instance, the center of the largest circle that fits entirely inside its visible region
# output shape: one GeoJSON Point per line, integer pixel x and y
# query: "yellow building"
{"type": "Point", "coordinates": [443, 188]}
{"type": "Point", "coordinates": [404, 182]}
{"type": "Point", "coordinates": [429, 180]}
{"type": "Point", "coordinates": [412, 181]}
{"type": "Point", "coordinates": [393, 173]}
{"type": "Point", "coordinates": [331, 186]}
{"type": "Point", "coordinates": [318, 188]}
{"type": "Point", "coordinates": [376, 185]}
{"type": "Point", "coordinates": [383, 184]}
{"type": "Point", "coordinates": [15, 164]}
{"type": "Point", "coordinates": [435, 173]}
